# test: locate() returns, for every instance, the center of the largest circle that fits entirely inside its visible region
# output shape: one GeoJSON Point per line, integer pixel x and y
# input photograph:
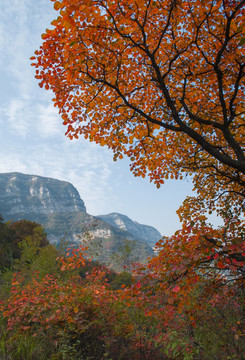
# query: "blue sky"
{"type": "Point", "coordinates": [33, 141]}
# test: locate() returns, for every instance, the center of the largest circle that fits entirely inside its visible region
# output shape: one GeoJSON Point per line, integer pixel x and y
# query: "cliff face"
{"type": "Point", "coordinates": [32, 194]}
{"type": "Point", "coordinates": [144, 232]}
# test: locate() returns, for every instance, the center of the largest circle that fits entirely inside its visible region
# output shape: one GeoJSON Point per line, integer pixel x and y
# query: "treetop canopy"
{"type": "Point", "coordinates": [161, 82]}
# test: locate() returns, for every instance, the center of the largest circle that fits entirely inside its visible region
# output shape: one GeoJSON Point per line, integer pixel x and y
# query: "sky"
{"type": "Point", "coordinates": [33, 139]}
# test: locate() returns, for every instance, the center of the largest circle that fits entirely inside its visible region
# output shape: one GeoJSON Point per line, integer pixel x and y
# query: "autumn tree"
{"type": "Point", "coordinates": [161, 82]}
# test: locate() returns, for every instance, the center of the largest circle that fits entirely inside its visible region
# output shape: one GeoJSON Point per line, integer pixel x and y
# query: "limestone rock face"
{"type": "Point", "coordinates": [33, 194]}
{"type": "Point", "coordinates": [144, 232]}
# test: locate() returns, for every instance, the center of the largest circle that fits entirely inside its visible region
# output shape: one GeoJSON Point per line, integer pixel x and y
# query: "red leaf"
{"type": "Point", "coordinates": [138, 285]}
{"type": "Point", "coordinates": [176, 289]}
{"type": "Point", "coordinates": [220, 265]}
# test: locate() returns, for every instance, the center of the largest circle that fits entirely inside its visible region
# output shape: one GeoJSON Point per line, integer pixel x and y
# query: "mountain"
{"type": "Point", "coordinates": [30, 194]}
{"type": "Point", "coordinates": [58, 207]}
{"type": "Point", "coordinates": [144, 232]}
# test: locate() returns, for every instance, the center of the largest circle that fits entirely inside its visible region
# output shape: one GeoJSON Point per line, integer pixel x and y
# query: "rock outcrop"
{"type": "Point", "coordinates": [31, 194]}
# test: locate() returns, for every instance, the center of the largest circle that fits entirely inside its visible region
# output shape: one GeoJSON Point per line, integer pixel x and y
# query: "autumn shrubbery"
{"type": "Point", "coordinates": [60, 305]}
{"type": "Point", "coordinates": [65, 313]}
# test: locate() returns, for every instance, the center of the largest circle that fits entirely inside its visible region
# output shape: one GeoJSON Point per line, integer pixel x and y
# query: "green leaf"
{"type": "Point", "coordinates": [242, 41]}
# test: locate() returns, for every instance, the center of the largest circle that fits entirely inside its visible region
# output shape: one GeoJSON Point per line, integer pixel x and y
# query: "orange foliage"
{"type": "Point", "coordinates": [161, 82]}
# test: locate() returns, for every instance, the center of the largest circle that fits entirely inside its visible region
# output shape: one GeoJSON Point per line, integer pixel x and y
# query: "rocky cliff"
{"type": "Point", "coordinates": [31, 194]}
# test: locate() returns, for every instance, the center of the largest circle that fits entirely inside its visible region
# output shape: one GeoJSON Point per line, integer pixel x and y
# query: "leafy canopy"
{"type": "Point", "coordinates": [161, 82]}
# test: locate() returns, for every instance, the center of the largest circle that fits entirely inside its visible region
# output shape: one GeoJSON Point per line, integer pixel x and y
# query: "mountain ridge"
{"type": "Point", "coordinates": [58, 207]}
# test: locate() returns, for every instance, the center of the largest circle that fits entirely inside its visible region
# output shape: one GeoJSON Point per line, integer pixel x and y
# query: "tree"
{"type": "Point", "coordinates": [159, 81]}
{"type": "Point", "coordinates": [29, 229]}
{"type": "Point", "coordinates": [9, 249]}
{"type": "Point", "coordinates": [29, 237]}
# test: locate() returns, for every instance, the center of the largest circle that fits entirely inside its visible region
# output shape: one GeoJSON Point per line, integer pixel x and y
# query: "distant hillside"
{"type": "Point", "coordinates": [144, 232]}
{"type": "Point", "coordinates": [58, 207]}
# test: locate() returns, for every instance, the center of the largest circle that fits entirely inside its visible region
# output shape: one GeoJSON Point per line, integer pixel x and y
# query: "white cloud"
{"type": "Point", "coordinates": [18, 115]}
{"type": "Point", "coordinates": [24, 116]}
{"type": "Point", "coordinates": [48, 121]}
{"type": "Point", "coordinates": [21, 25]}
